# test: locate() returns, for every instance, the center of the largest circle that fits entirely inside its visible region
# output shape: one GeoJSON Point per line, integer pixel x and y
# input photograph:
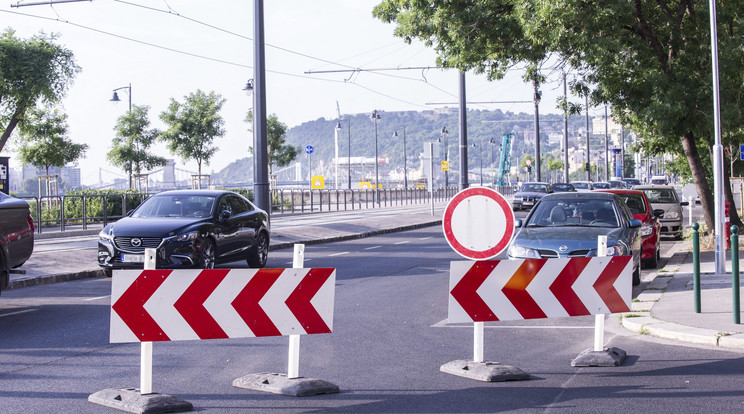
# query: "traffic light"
{"type": "Point", "coordinates": [529, 168]}
{"type": "Point", "coordinates": [587, 166]}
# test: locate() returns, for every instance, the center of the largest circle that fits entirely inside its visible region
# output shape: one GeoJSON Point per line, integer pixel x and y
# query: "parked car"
{"type": "Point", "coordinates": [562, 187]}
{"type": "Point", "coordinates": [189, 228]}
{"type": "Point", "coordinates": [568, 225]}
{"type": "Point", "coordinates": [16, 236]}
{"type": "Point", "coordinates": [529, 194]}
{"type": "Point", "coordinates": [650, 227]}
{"type": "Point", "coordinates": [664, 197]}
{"type": "Point", "coordinates": [619, 184]}
{"type": "Point", "coordinates": [602, 185]}
{"type": "Point", "coordinates": [659, 180]}
{"type": "Point", "coordinates": [583, 185]}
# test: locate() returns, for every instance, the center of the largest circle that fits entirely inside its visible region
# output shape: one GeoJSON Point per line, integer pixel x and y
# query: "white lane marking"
{"type": "Point", "coordinates": [292, 263]}
{"type": "Point", "coordinates": [403, 242]}
{"type": "Point", "coordinates": [337, 254]}
{"type": "Point", "coordinates": [426, 238]}
{"type": "Point", "coordinates": [443, 324]}
{"type": "Point", "coordinates": [97, 298]}
{"type": "Point", "coordinates": [18, 312]}
{"type": "Point", "coordinates": [373, 247]}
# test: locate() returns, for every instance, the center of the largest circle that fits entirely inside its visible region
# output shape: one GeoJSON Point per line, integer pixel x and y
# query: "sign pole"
{"type": "Point", "coordinates": [478, 328]}
{"type": "Point", "coordinates": [293, 365]}
{"type": "Point", "coordinates": [431, 179]}
{"type": "Point", "coordinates": [146, 347]}
{"type": "Point", "coordinates": [599, 319]}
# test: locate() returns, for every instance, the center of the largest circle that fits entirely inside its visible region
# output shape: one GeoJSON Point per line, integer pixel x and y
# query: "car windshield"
{"type": "Point", "coordinates": [176, 206]}
{"type": "Point", "coordinates": [581, 213]}
{"type": "Point", "coordinates": [537, 188]}
{"type": "Point", "coordinates": [579, 185]}
{"type": "Point", "coordinates": [661, 196]}
{"type": "Point", "coordinates": [634, 202]}
{"type": "Point", "coordinates": [562, 187]}
{"type": "Point", "coordinates": [602, 186]}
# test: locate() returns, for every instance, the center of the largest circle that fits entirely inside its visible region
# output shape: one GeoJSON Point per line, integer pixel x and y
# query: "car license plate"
{"type": "Point", "coordinates": [133, 258]}
{"type": "Point", "coordinates": [528, 203]}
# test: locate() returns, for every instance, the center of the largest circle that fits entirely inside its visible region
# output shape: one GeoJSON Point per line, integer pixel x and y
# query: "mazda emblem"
{"type": "Point", "coordinates": [136, 242]}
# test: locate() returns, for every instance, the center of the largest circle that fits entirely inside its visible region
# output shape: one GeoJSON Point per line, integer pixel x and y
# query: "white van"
{"type": "Point", "coordinates": [659, 180]}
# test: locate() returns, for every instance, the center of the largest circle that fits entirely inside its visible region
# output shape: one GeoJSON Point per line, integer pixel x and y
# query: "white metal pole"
{"type": "Point", "coordinates": [717, 148]}
{"type": "Point", "coordinates": [146, 347]}
{"type": "Point", "coordinates": [335, 175]}
{"type": "Point", "coordinates": [599, 320]}
{"type": "Point", "coordinates": [478, 328]}
{"type": "Point", "coordinates": [293, 366]}
{"type": "Point", "coordinates": [431, 179]}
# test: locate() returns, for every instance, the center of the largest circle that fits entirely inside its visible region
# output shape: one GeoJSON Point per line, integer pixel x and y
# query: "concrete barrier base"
{"type": "Point", "coordinates": [484, 371]}
{"type": "Point", "coordinates": [609, 357]}
{"type": "Point", "coordinates": [280, 384]}
{"type": "Point", "coordinates": [130, 400]}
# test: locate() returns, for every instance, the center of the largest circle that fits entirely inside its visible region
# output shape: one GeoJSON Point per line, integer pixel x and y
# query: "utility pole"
{"type": "Point", "coordinates": [537, 130]}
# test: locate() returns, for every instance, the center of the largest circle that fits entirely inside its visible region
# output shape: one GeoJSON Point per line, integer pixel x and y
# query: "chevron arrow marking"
{"type": "Point", "coordinates": [191, 304]}
{"type": "Point", "coordinates": [247, 306]}
{"type": "Point", "coordinates": [605, 284]}
{"type": "Point", "coordinates": [299, 304]}
{"type": "Point", "coordinates": [131, 310]}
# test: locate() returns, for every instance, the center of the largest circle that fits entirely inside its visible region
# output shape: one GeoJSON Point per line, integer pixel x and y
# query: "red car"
{"type": "Point", "coordinates": [651, 228]}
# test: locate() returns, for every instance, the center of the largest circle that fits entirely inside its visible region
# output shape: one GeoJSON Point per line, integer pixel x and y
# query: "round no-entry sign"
{"type": "Point", "coordinates": [478, 223]}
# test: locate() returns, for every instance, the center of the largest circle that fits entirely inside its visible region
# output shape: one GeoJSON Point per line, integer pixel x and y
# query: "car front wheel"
{"type": "Point", "coordinates": [206, 255]}
{"type": "Point", "coordinates": [260, 253]}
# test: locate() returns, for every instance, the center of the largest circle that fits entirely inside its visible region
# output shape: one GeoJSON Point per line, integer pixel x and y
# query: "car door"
{"type": "Point", "coordinates": [227, 230]}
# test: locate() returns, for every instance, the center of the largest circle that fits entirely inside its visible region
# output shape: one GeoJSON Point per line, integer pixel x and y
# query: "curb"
{"type": "Point", "coordinates": [57, 278]}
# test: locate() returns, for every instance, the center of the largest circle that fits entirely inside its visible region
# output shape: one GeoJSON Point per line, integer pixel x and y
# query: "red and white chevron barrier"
{"type": "Point", "coordinates": [499, 290]}
{"type": "Point", "coordinates": [170, 305]}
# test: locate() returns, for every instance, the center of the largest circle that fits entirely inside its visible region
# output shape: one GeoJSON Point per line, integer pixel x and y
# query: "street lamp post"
{"type": "Point", "coordinates": [405, 161]}
{"type": "Point", "coordinates": [492, 144]}
{"type": "Point", "coordinates": [376, 117]}
{"type": "Point", "coordinates": [446, 158]}
{"type": "Point", "coordinates": [115, 98]}
{"type": "Point", "coordinates": [335, 140]}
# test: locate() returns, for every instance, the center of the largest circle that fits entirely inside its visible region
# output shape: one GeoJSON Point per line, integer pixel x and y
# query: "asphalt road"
{"type": "Point", "coordinates": [385, 352]}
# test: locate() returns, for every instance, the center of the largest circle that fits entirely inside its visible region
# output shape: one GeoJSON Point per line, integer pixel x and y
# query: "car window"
{"type": "Point", "coordinates": [238, 205]}
{"type": "Point", "coordinates": [663, 195]}
{"type": "Point", "coordinates": [602, 186]}
{"type": "Point", "coordinates": [583, 186]}
{"type": "Point", "coordinates": [635, 203]}
{"type": "Point", "coordinates": [539, 188]}
{"type": "Point", "coordinates": [176, 206]}
{"type": "Point", "coordinates": [589, 212]}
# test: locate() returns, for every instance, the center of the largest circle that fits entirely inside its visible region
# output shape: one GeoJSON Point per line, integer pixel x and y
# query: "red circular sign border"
{"type": "Point", "coordinates": [447, 222]}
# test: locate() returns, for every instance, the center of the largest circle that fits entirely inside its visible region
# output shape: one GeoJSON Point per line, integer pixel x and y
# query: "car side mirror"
{"type": "Point", "coordinates": [659, 213]}
{"type": "Point", "coordinates": [684, 203]}
{"type": "Point", "coordinates": [224, 215]}
{"type": "Point", "coordinates": [634, 223]}
{"type": "Point", "coordinates": [518, 223]}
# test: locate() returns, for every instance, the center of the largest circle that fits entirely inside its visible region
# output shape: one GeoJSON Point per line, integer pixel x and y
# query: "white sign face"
{"type": "Point", "coordinates": [478, 223]}
{"type": "Point", "coordinates": [689, 191]}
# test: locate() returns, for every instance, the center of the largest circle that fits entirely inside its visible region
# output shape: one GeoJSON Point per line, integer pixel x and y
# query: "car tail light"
{"type": "Point", "coordinates": [30, 222]}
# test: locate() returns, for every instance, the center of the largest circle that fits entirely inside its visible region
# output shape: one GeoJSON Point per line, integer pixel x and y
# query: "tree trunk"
{"type": "Point", "coordinates": [701, 181]}
{"type": "Point", "coordinates": [733, 213]}
{"type": "Point", "coordinates": [11, 126]}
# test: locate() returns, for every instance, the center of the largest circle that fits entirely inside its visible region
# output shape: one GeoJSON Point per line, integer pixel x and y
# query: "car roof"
{"type": "Point", "coordinates": [620, 191]}
{"type": "Point", "coordinates": [588, 195]}
{"type": "Point", "coordinates": [653, 187]}
{"type": "Point", "coordinates": [194, 192]}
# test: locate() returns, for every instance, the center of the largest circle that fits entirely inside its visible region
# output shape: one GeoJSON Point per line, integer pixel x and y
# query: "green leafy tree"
{"type": "Point", "coordinates": [130, 147]}
{"type": "Point", "coordinates": [193, 125]}
{"type": "Point", "coordinates": [44, 141]}
{"type": "Point", "coordinates": [32, 70]}
{"type": "Point", "coordinates": [280, 153]}
{"type": "Point", "coordinates": [649, 60]}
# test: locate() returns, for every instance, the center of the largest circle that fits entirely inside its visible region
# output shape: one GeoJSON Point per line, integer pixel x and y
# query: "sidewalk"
{"type": "Point", "coordinates": [665, 307]}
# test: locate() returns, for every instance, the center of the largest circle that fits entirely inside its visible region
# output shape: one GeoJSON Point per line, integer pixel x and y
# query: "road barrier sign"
{"type": "Point", "coordinates": [169, 305]}
{"type": "Point", "coordinates": [445, 165]}
{"type": "Point", "coordinates": [499, 290]}
{"type": "Point", "coordinates": [478, 223]}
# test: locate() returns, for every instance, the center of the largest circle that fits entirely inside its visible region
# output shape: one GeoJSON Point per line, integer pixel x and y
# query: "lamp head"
{"type": "Point", "coordinates": [248, 87]}
{"type": "Point", "coordinates": [115, 98]}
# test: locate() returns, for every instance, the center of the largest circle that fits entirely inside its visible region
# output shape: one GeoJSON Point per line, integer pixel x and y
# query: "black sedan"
{"type": "Point", "coordinates": [568, 225]}
{"type": "Point", "coordinates": [529, 194]}
{"type": "Point", "coordinates": [16, 235]}
{"type": "Point", "coordinates": [189, 229]}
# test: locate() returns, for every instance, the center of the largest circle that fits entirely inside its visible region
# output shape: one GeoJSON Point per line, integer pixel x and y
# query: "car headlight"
{"type": "Point", "coordinates": [671, 215]}
{"type": "Point", "coordinates": [105, 237]}
{"type": "Point", "coordinates": [186, 236]}
{"type": "Point", "coordinates": [616, 250]}
{"type": "Point", "coordinates": [523, 252]}
{"type": "Point", "coordinates": [647, 229]}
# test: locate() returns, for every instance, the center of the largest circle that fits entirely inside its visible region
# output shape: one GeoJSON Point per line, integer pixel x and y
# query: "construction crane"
{"type": "Point", "coordinates": [505, 160]}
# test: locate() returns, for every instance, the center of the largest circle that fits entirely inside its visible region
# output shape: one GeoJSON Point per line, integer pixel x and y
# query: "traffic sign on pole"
{"type": "Point", "coordinates": [478, 223]}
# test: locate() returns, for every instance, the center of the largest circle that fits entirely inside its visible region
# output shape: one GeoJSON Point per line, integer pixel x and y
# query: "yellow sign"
{"type": "Point", "coordinates": [421, 186]}
{"type": "Point", "coordinates": [365, 185]}
{"type": "Point", "coordinates": [317, 182]}
{"type": "Point", "coordinates": [445, 165]}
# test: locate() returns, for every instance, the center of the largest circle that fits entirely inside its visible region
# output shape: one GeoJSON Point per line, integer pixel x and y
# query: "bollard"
{"type": "Point", "coordinates": [735, 271]}
{"type": "Point", "coordinates": [696, 264]}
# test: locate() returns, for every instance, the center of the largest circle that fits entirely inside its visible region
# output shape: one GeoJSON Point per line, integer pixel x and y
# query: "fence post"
{"type": "Point", "coordinates": [735, 272]}
{"type": "Point", "coordinates": [696, 264]}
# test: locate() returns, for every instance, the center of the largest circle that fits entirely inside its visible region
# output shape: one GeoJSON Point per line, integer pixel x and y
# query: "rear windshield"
{"type": "Point", "coordinates": [635, 203]}
{"type": "Point", "coordinates": [661, 196]}
{"type": "Point", "coordinates": [539, 188]}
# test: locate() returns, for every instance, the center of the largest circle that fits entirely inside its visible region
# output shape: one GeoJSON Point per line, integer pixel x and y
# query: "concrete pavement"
{"type": "Point", "coordinates": [664, 308]}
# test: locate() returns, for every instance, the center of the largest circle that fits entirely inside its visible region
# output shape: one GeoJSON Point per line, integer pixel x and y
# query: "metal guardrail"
{"type": "Point", "coordinates": [58, 212]}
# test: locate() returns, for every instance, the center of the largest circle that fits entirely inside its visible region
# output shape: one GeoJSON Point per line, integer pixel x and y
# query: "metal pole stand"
{"type": "Point", "coordinates": [599, 356]}
{"type": "Point", "coordinates": [696, 265]}
{"type": "Point", "coordinates": [735, 273]}
{"type": "Point", "coordinates": [141, 400]}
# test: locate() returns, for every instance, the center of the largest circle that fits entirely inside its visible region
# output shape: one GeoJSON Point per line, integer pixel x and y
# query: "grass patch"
{"type": "Point", "coordinates": [644, 331]}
